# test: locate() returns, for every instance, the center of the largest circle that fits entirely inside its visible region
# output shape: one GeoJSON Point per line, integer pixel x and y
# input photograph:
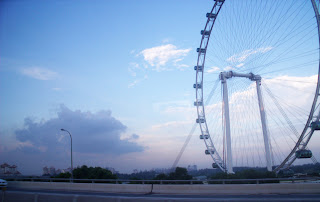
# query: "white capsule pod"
{"type": "Point", "coordinates": [211, 15]}
{"type": "Point", "coordinates": [197, 103]}
{"type": "Point", "coordinates": [205, 32]}
{"type": "Point", "coordinates": [214, 165]}
{"type": "Point", "coordinates": [201, 120]}
{"type": "Point", "coordinates": [197, 85]}
{"type": "Point", "coordinates": [201, 50]}
{"type": "Point", "coordinates": [204, 137]}
{"type": "Point", "coordinates": [208, 152]}
{"type": "Point", "coordinates": [199, 68]}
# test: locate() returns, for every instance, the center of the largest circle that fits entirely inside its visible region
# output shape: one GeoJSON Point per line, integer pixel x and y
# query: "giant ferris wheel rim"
{"type": "Point", "coordinates": [312, 111]}
{"type": "Point", "coordinates": [215, 156]}
{"type": "Point", "coordinates": [199, 92]}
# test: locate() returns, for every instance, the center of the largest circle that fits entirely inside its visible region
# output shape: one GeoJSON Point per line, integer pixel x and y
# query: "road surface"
{"type": "Point", "coordinates": [79, 196]}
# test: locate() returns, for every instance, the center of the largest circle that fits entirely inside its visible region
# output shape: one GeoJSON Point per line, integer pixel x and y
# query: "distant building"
{"type": "Point", "coordinates": [161, 170]}
{"type": "Point", "coordinates": [135, 171]}
{"type": "Point", "coordinates": [112, 170]}
{"type": "Point", "coordinates": [7, 170]}
{"type": "Point", "coordinates": [13, 168]}
{"type": "Point", "coordinates": [192, 168]}
{"type": "Point", "coordinates": [4, 168]}
{"type": "Point", "coordinates": [67, 170]}
{"type": "Point", "coordinates": [52, 171]}
{"type": "Point", "coordinates": [45, 171]}
{"type": "Point", "coordinates": [58, 171]}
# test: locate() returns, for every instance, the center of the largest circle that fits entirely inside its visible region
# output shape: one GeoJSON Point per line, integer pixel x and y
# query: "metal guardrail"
{"type": "Point", "coordinates": [211, 181]}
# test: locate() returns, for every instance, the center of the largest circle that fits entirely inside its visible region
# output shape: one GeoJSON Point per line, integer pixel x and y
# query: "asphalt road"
{"type": "Point", "coordinates": [159, 197]}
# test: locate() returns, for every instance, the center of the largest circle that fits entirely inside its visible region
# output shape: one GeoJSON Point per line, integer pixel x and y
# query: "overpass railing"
{"type": "Point", "coordinates": [209, 181]}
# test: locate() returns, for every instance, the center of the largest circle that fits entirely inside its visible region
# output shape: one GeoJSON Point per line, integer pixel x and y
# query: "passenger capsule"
{"type": "Point", "coordinates": [204, 136]}
{"type": "Point", "coordinates": [211, 15]}
{"type": "Point", "coordinates": [214, 165]}
{"type": "Point", "coordinates": [197, 103]}
{"type": "Point", "coordinates": [197, 85]}
{"type": "Point", "coordinates": [199, 68]}
{"type": "Point", "coordinates": [201, 50]}
{"type": "Point", "coordinates": [205, 32]}
{"type": "Point", "coordinates": [303, 154]}
{"type": "Point", "coordinates": [201, 120]}
{"type": "Point", "coordinates": [315, 125]}
{"type": "Point", "coordinates": [208, 152]}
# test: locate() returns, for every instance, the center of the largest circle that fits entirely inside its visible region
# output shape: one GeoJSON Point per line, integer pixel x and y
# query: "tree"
{"type": "Point", "coordinates": [64, 175]}
{"type": "Point", "coordinates": [180, 174]}
{"type": "Point", "coordinates": [161, 176]}
{"type": "Point", "coordinates": [85, 172]}
{"type": "Point", "coordinates": [81, 173]}
{"type": "Point", "coordinates": [245, 174]}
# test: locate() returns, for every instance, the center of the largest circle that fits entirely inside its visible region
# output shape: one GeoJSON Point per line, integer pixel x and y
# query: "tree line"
{"type": "Point", "coordinates": [85, 172]}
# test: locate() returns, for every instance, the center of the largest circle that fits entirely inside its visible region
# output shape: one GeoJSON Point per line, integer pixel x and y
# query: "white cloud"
{"type": "Point", "coordinates": [213, 69]}
{"type": "Point", "coordinates": [56, 89]}
{"type": "Point", "coordinates": [228, 68]}
{"type": "Point", "coordinates": [97, 138]}
{"type": "Point", "coordinates": [159, 56]}
{"type": "Point", "coordinates": [241, 57]}
{"type": "Point", "coordinates": [164, 106]}
{"type": "Point", "coordinates": [166, 40]}
{"type": "Point", "coordinates": [176, 110]}
{"type": "Point", "coordinates": [135, 82]}
{"type": "Point", "coordinates": [170, 124]}
{"type": "Point", "coordinates": [132, 68]}
{"type": "Point", "coordinates": [177, 60]}
{"type": "Point", "coordinates": [39, 73]}
{"type": "Point", "coordinates": [240, 65]}
{"type": "Point", "coordinates": [182, 67]}
{"type": "Point", "coordinates": [132, 52]}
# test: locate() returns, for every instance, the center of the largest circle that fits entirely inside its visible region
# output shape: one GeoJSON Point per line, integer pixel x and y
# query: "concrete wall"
{"type": "Point", "coordinates": [52, 197]}
{"type": "Point", "coordinates": [97, 187]}
{"type": "Point", "coordinates": [295, 188]}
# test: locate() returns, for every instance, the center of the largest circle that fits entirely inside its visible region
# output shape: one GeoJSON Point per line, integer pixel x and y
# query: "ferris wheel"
{"type": "Point", "coordinates": [257, 83]}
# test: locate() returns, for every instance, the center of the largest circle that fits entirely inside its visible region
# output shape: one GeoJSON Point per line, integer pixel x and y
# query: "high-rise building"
{"type": "Point", "coordinates": [6, 169]}
{"type": "Point", "coordinates": [192, 168]}
{"type": "Point", "coordinates": [45, 171]}
{"type": "Point", "coordinates": [52, 171]}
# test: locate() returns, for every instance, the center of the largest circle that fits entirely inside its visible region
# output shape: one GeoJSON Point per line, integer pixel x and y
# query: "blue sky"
{"type": "Point", "coordinates": [108, 71]}
{"type": "Point", "coordinates": [87, 56]}
{"type": "Point", "coordinates": [87, 48]}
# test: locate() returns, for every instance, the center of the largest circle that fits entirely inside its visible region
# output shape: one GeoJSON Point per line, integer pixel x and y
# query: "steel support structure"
{"type": "Point", "coordinates": [229, 165]}
{"type": "Point", "coordinates": [264, 126]}
{"type": "Point", "coordinates": [223, 77]}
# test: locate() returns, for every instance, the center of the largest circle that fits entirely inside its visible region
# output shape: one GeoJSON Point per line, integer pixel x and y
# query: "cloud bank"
{"type": "Point", "coordinates": [41, 143]}
{"type": "Point", "coordinates": [159, 56]}
{"type": "Point", "coordinates": [39, 73]}
{"type": "Point", "coordinates": [92, 133]}
{"type": "Point", "coordinates": [241, 57]}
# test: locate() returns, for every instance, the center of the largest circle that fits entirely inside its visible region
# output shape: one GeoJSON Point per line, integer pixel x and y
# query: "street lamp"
{"type": "Point", "coordinates": [71, 153]}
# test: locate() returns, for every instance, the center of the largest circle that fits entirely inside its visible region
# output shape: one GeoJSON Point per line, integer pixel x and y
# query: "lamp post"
{"type": "Point", "coordinates": [71, 153]}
